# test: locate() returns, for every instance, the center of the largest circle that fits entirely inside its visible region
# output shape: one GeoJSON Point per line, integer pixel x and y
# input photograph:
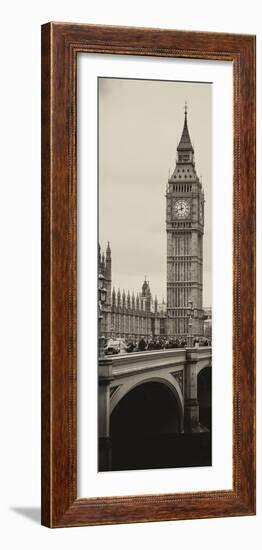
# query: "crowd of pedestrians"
{"type": "Point", "coordinates": [163, 343]}
{"type": "Point", "coordinates": [151, 344]}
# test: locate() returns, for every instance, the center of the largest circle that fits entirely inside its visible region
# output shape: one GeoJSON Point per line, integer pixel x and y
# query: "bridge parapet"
{"type": "Point", "coordinates": [199, 353]}
{"type": "Point", "coordinates": [132, 362]}
{"type": "Point", "coordinates": [129, 363]}
{"type": "Point", "coordinates": [137, 362]}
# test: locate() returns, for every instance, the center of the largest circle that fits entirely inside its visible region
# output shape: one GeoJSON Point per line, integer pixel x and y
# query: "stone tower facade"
{"type": "Point", "coordinates": [185, 229]}
{"type": "Point", "coordinates": [128, 316]}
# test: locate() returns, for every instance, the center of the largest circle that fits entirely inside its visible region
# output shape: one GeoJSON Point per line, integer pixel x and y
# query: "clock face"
{"type": "Point", "coordinates": [182, 208]}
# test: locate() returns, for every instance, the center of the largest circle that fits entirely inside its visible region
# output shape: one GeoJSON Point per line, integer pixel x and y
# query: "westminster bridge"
{"type": "Point", "coordinates": [167, 390]}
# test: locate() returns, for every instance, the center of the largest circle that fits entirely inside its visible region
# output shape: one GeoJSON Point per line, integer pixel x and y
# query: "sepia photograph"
{"type": "Point", "coordinates": [154, 274]}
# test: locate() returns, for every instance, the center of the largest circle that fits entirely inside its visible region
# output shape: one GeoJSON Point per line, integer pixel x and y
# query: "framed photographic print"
{"type": "Point", "coordinates": [148, 275]}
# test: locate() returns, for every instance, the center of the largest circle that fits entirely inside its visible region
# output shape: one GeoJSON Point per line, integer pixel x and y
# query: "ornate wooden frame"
{"type": "Point", "coordinates": [60, 44]}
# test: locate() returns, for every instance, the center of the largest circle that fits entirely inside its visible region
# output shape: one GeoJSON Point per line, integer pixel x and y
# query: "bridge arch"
{"type": "Point", "coordinates": [143, 425]}
{"type": "Point", "coordinates": [168, 382]}
{"type": "Point", "coordinates": [203, 364]}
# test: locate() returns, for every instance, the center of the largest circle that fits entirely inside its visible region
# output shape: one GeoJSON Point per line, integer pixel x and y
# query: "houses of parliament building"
{"type": "Point", "coordinates": [130, 317]}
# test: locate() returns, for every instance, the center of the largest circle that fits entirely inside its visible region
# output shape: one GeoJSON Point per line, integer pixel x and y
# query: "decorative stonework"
{"type": "Point", "coordinates": [179, 377]}
{"type": "Point", "coordinates": [128, 316]}
{"type": "Point", "coordinates": [113, 390]}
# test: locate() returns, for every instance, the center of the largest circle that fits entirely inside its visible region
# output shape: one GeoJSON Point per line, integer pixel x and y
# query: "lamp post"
{"type": "Point", "coordinates": [190, 314]}
{"type": "Point", "coordinates": [101, 300]}
{"type": "Point", "coordinates": [189, 324]}
{"type": "Point", "coordinates": [105, 377]}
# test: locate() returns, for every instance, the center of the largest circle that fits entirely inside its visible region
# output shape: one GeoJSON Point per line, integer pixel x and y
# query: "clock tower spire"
{"type": "Point", "coordinates": [185, 229]}
{"type": "Point", "coordinates": [185, 150]}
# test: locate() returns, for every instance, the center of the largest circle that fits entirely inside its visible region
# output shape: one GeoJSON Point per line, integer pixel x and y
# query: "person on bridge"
{"type": "Point", "coordinates": [150, 345]}
{"type": "Point", "coordinates": [142, 344]}
{"type": "Point", "coordinates": [130, 347]}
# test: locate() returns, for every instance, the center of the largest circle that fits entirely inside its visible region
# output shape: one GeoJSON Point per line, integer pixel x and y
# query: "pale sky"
{"type": "Point", "coordinates": [140, 125]}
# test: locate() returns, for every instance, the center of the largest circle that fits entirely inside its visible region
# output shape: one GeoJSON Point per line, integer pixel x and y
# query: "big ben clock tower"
{"type": "Point", "coordinates": [185, 229]}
